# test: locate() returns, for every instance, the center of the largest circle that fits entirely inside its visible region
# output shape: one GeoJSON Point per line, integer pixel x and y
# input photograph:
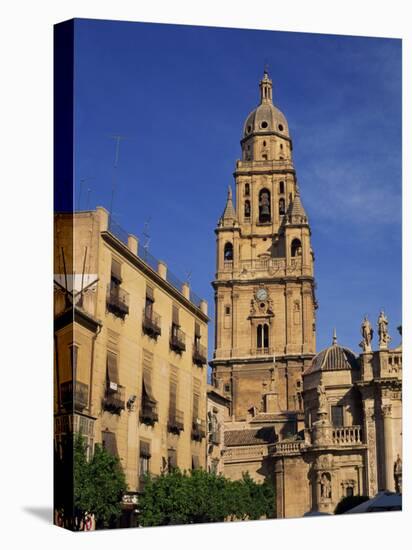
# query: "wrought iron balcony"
{"type": "Point", "coordinates": [74, 395]}
{"type": "Point", "coordinates": [177, 340]}
{"type": "Point", "coordinates": [198, 429]}
{"type": "Point", "coordinates": [151, 323]}
{"type": "Point", "coordinates": [199, 355]}
{"type": "Point", "coordinates": [149, 412]}
{"type": "Point", "coordinates": [175, 423]}
{"type": "Point", "coordinates": [113, 400]}
{"type": "Point", "coordinates": [117, 301]}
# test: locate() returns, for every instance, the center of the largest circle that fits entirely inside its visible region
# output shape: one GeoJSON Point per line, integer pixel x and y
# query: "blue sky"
{"type": "Point", "coordinates": [180, 95]}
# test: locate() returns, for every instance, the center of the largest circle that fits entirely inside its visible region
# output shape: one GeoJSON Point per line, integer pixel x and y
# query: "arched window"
{"type": "Point", "coordinates": [281, 206]}
{"type": "Point", "coordinates": [247, 189]}
{"type": "Point", "coordinates": [262, 334]}
{"type": "Point", "coordinates": [228, 252]}
{"type": "Point", "coordinates": [281, 187]}
{"type": "Point", "coordinates": [296, 248]}
{"type": "Point", "coordinates": [264, 206]}
{"type": "Point", "coordinates": [247, 209]}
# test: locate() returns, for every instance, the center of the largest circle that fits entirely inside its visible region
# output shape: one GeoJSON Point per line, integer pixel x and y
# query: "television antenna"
{"type": "Point", "coordinates": [117, 138]}
{"type": "Point", "coordinates": [146, 236]}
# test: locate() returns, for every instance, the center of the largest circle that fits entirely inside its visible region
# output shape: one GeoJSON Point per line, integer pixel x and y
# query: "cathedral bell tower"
{"type": "Point", "coordinates": [264, 284]}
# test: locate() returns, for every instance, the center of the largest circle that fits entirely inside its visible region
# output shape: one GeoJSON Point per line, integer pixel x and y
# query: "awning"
{"type": "Point", "coordinates": [112, 370]}
{"type": "Point", "coordinates": [147, 385]}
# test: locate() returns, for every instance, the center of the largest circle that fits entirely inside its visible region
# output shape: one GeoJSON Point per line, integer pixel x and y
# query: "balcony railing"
{"type": "Point", "coordinates": [149, 413]}
{"type": "Point", "coordinates": [199, 355]}
{"type": "Point", "coordinates": [347, 435]}
{"type": "Point", "coordinates": [177, 340]}
{"type": "Point", "coordinates": [113, 400]}
{"type": "Point", "coordinates": [151, 323]}
{"type": "Point", "coordinates": [175, 423]}
{"type": "Point", "coordinates": [74, 396]}
{"type": "Point", "coordinates": [117, 301]}
{"type": "Point", "coordinates": [198, 429]}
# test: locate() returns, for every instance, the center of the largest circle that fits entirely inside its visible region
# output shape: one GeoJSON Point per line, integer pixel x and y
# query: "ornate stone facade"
{"type": "Point", "coordinates": [320, 426]}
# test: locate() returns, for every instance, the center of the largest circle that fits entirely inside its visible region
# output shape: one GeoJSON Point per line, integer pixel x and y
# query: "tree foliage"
{"type": "Point", "coordinates": [89, 487]}
{"type": "Point", "coordinates": [347, 503]}
{"type": "Point", "coordinates": [201, 497]}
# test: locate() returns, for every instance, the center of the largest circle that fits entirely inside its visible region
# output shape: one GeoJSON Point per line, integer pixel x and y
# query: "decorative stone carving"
{"type": "Point", "coordinates": [321, 399]}
{"type": "Point", "coordinates": [367, 335]}
{"type": "Point", "coordinates": [325, 486]}
{"type": "Point", "coordinates": [384, 337]}
{"type": "Point", "coordinates": [397, 473]}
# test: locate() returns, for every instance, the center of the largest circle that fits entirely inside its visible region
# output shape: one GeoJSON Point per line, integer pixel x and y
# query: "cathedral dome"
{"type": "Point", "coordinates": [334, 357]}
{"type": "Point", "coordinates": [266, 117]}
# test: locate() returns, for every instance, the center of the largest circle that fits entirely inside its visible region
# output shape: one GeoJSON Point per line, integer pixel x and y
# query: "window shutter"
{"type": "Point", "coordinates": [196, 398]}
{"type": "Point", "coordinates": [173, 396]}
{"type": "Point", "coordinates": [145, 449]}
{"type": "Point", "coordinates": [109, 443]}
{"type": "Point", "coordinates": [175, 315]}
{"type": "Point", "coordinates": [116, 272]}
{"type": "Point", "coordinates": [149, 293]}
{"type": "Point", "coordinates": [172, 458]}
{"type": "Point", "coordinates": [112, 370]}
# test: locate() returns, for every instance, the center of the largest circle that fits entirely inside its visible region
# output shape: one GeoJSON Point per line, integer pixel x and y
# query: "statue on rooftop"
{"type": "Point", "coordinates": [384, 337]}
{"type": "Point", "coordinates": [367, 335]}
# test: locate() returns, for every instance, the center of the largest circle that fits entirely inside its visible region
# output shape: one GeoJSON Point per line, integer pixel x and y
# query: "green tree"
{"type": "Point", "coordinates": [89, 487]}
{"type": "Point", "coordinates": [202, 497]}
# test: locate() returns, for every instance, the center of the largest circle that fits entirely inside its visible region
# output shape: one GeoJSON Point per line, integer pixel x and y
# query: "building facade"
{"type": "Point", "coordinates": [319, 426]}
{"type": "Point", "coordinates": [218, 410]}
{"type": "Point", "coordinates": [130, 352]}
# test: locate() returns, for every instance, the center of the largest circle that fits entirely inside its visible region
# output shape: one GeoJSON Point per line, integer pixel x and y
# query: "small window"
{"type": "Point", "coordinates": [349, 491]}
{"type": "Point", "coordinates": [247, 209]}
{"type": "Point", "coordinates": [247, 189]}
{"type": "Point", "coordinates": [296, 248]}
{"type": "Point", "coordinates": [228, 252]}
{"type": "Point", "coordinates": [262, 336]}
{"type": "Point", "coordinates": [264, 206]}
{"type": "Point", "coordinates": [264, 157]}
{"type": "Point", "coordinates": [227, 388]}
{"type": "Point", "coordinates": [281, 187]}
{"type": "Point", "coordinates": [280, 127]}
{"type": "Point", "coordinates": [337, 416]}
{"type": "Point", "coordinates": [281, 206]}
{"type": "Point", "coordinates": [264, 143]}
{"type": "Point", "coordinates": [264, 124]}
{"type": "Point", "coordinates": [249, 129]}
{"type": "Point", "coordinates": [281, 146]}
{"type": "Point", "coordinates": [227, 310]}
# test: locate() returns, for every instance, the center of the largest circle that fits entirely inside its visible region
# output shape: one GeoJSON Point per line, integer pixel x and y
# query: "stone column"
{"type": "Point", "coordinates": [307, 344]}
{"type": "Point", "coordinates": [289, 319]}
{"type": "Point", "coordinates": [388, 450]}
{"type": "Point", "coordinates": [279, 488]}
{"type": "Point", "coordinates": [370, 439]}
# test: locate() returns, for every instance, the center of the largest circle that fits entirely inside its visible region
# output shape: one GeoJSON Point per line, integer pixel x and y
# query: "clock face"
{"type": "Point", "coordinates": [261, 294]}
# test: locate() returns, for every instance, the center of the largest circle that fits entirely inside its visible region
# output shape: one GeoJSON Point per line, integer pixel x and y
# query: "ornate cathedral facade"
{"type": "Point", "coordinates": [320, 426]}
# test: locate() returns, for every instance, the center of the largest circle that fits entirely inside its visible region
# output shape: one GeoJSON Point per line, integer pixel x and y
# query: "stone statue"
{"type": "Point", "coordinates": [367, 335]}
{"type": "Point", "coordinates": [384, 337]}
{"type": "Point", "coordinates": [321, 398]}
{"type": "Point", "coordinates": [325, 486]}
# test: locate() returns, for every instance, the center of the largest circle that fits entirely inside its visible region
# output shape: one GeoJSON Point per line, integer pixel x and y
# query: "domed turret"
{"type": "Point", "coordinates": [334, 357]}
{"type": "Point", "coordinates": [266, 118]}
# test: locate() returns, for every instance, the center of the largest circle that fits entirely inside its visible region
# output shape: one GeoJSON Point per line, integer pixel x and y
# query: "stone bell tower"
{"type": "Point", "coordinates": [264, 283]}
